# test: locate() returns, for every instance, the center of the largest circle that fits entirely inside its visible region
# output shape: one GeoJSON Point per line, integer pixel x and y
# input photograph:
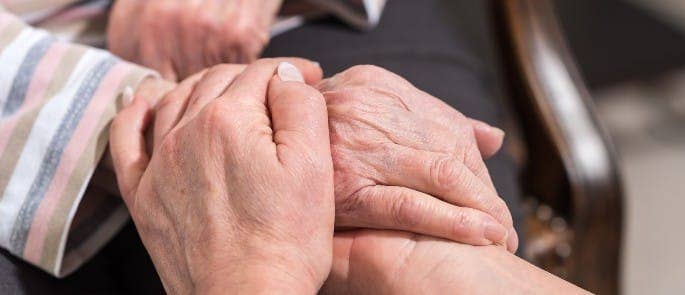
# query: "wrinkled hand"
{"type": "Point", "coordinates": [238, 194]}
{"type": "Point", "coordinates": [389, 262]}
{"type": "Point", "coordinates": [396, 148]}
{"type": "Point", "coordinates": [179, 38]}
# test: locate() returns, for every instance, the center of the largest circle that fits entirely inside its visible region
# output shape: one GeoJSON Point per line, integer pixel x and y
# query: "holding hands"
{"type": "Point", "coordinates": [240, 188]}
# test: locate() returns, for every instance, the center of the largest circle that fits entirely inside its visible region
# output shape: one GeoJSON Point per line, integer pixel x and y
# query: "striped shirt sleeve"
{"type": "Point", "coordinates": [56, 102]}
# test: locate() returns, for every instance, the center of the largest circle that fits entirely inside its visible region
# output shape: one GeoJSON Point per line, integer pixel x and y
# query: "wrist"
{"type": "Point", "coordinates": [264, 268]}
{"type": "Point", "coordinates": [258, 279]}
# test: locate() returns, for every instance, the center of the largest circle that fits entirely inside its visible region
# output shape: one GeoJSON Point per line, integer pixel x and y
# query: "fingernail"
{"type": "Point", "coordinates": [496, 233]}
{"type": "Point", "coordinates": [288, 72]}
{"type": "Point", "coordinates": [512, 241]}
{"type": "Point", "coordinates": [500, 132]}
{"type": "Point", "coordinates": [316, 63]}
{"type": "Point", "coordinates": [127, 96]}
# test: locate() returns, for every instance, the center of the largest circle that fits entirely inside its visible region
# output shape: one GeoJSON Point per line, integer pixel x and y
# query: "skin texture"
{"type": "Point", "coordinates": [370, 150]}
{"type": "Point", "coordinates": [380, 150]}
{"type": "Point", "coordinates": [179, 38]}
{"type": "Point", "coordinates": [388, 262]}
{"type": "Point", "coordinates": [220, 204]}
{"type": "Point", "coordinates": [238, 193]}
{"type": "Point", "coordinates": [395, 147]}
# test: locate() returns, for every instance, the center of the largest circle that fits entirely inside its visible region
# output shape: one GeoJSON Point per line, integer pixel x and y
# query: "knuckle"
{"type": "Point", "coordinates": [463, 224]}
{"type": "Point", "coordinates": [472, 158]}
{"type": "Point", "coordinates": [203, 20]}
{"type": "Point", "coordinates": [166, 8]}
{"type": "Point", "coordinates": [500, 211]}
{"type": "Point", "coordinates": [167, 101]}
{"type": "Point", "coordinates": [267, 62]}
{"type": "Point", "coordinates": [242, 30]}
{"type": "Point", "coordinates": [221, 69]}
{"type": "Point", "coordinates": [446, 174]}
{"type": "Point", "coordinates": [365, 73]}
{"type": "Point", "coordinates": [406, 211]}
{"type": "Point", "coordinates": [215, 117]}
{"type": "Point", "coordinates": [351, 101]}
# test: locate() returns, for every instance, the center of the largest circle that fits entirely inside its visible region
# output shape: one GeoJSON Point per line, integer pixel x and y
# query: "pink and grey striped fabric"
{"type": "Point", "coordinates": [56, 102]}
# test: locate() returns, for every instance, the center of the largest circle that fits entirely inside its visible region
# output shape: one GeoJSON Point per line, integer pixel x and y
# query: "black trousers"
{"type": "Point", "coordinates": [442, 46]}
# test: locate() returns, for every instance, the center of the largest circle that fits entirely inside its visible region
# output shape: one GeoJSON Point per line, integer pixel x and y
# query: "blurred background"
{"type": "Point", "coordinates": [631, 54]}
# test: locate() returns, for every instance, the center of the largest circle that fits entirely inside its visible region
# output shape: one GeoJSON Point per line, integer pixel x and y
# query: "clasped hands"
{"type": "Point", "coordinates": [249, 174]}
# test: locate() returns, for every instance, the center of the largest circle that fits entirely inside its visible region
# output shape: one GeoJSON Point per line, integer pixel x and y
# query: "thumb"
{"type": "Point", "coordinates": [298, 114]}
{"type": "Point", "coordinates": [127, 146]}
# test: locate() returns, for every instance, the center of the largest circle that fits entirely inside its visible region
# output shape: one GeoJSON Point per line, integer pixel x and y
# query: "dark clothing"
{"type": "Point", "coordinates": [442, 46]}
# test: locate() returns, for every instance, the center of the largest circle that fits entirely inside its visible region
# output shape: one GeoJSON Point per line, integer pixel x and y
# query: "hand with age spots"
{"type": "Point", "coordinates": [237, 195]}
{"type": "Point", "coordinates": [376, 136]}
{"type": "Point", "coordinates": [405, 160]}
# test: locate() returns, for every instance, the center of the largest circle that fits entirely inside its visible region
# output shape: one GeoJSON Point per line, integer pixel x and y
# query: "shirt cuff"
{"type": "Point", "coordinates": [56, 102]}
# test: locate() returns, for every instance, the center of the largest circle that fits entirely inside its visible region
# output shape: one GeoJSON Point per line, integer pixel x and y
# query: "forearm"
{"type": "Point", "coordinates": [475, 270]}
{"type": "Point", "coordinates": [256, 280]}
{"type": "Point", "coordinates": [259, 267]}
{"type": "Point", "coordinates": [493, 270]}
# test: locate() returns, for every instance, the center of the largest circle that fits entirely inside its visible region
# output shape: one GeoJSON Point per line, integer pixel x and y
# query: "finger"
{"type": "Point", "coordinates": [154, 57]}
{"type": "Point", "coordinates": [443, 177]}
{"type": "Point", "coordinates": [210, 86]}
{"type": "Point", "coordinates": [470, 153]}
{"type": "Point", "coordinates": [251, 84]}
{"type": "Point", "coordinates": [168, 72]}
{"type": "Point", "coordinates": [170, 109]}
{"type": "Point", "coordinates": [489, 138]}
{"type": "Point", "coordinates": [193, 32]}
{"type": "Point", "coordinates": [400, 208]}
{"type": "Point", "coordinates": [127, 146]}
{"type": "Point", "coordinates": [298, 114]}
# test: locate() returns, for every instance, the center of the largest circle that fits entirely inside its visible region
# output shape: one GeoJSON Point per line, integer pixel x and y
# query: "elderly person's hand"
{"type": "Point", "coordinates": [405, 160]}
{"type": "Point", "coordinates": [181, 37]}
{"type": "Point", "coordinates": [396, 149]}
{"type": "Point", "coordinates": [237, 196]}
{"type": "Point", "coordinates": [390, 262]}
